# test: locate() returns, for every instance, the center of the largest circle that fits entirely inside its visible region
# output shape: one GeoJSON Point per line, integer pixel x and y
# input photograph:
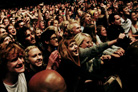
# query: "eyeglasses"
{"type": "Point", "coordinates": [53, 38]}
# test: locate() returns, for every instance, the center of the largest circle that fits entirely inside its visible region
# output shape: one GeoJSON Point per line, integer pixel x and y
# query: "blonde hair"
{"type": "Point", "coordinates": [80, 37]}
{"type": "Point", "coordinates": [27, 50]}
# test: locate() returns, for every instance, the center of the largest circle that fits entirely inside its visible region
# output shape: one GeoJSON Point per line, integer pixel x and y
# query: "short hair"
{"type": "Point", "coordinates": [112, 17]}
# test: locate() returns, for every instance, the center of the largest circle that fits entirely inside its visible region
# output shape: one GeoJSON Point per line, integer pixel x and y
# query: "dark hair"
{"type": "Point", "coordinates": [112, 17]}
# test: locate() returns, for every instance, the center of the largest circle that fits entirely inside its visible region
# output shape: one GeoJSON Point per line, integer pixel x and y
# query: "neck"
{"type": "Point", "coordinates": [11, 78]}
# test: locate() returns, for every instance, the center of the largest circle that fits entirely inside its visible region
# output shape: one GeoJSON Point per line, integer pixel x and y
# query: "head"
{"type": "Point", "coordinates": [33, 56]}
{"type": "Point", "coordinates": [69, 49]}
{"type": "Point", "coordinates": [74, 28]}
{"type": "Point", "coordinates": [91, 30]}
{"type": "Point", "coordinates": [5, 39]}
{"type": "Point", "coordinates": [115, 19]}
{"type": "Point", "coordinates": [26, 37]}
{"type": "Point", "coordinates": [11, 29]}
{"type": "Point", "coordinates": [12, 60]}
{"type": "Point", "coordinates": [19, 24]}
{"type": "Point", "coordinates": [6, 21]}
{"type": "Point", "coordinates": [38, 33]}
{"type": "Point", "coordinates": [83, 40]}
{"type": "Point", "coordinates": [3, 31]}
{"type": "Point", "coordinates": [47, 81]}
{"type": "Point", "coordinates": [49, 37]}
{"type": "Point", "coordinates": [133, 16]}
{"type": "Point", "coordinates": [86, 19]}
{"type": "Point", "coordinates": [124, 10]}
{"type": "Point", "coordinates": [101, 31]}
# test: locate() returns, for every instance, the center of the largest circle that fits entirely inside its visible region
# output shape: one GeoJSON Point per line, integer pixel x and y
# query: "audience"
{"type": "Point", "coordinates": [81, 40]}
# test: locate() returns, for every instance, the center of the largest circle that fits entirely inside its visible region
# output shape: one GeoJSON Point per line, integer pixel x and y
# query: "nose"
{"type": "Point", "coordinates": [20, 61]}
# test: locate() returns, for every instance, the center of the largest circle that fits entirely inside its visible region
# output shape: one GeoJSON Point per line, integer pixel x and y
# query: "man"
{"type": "Point", "coordinates": [12, 78]}
{"type": "Point", "coordinates": [115, 29]}
{"type": "Point", "coordinates": [47, 81]}
{"type": "Point", "coordinates": [50, 42]}
{"type": "Point", "coordinates": [26, 37]}
{"type": "Point", "coordinates": [74, 28]}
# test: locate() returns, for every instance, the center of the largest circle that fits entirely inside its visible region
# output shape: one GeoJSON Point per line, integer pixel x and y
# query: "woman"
{"type": "Point", "coordinates": [114, 51]}
{"type": "Point", "coordinates": [84, 40]}
{"type": "Point", "coordinates": [34, 61]}
{"type": "Point", "coordinates": [70, 67]}
{"type": "Point", "coordinates": [12, 68]}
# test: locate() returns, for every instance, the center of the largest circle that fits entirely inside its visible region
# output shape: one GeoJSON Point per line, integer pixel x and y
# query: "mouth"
{"type": "Point", "coordinates": [20, 66]}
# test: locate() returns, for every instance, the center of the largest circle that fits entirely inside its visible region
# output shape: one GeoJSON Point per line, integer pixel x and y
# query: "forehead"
{"type": "Point", "coordinates": [116, 16]}
{"type": "Point", "coordinates": [28, 31]}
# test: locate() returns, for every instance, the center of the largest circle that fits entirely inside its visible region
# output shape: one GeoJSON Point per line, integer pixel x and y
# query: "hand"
{"type": "Point", "coordinates": [121, 36]}
{"type": "Point", "coordinates": [54, 60]}
{"type": "Point", "coordinates": [106, 57]}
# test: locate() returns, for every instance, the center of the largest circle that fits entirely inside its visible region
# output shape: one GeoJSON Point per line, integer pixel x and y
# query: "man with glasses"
{"type": "Point", "coordinates": [50, 43]}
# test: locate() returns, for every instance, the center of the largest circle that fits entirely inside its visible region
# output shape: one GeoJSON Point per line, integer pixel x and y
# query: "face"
{"type": "Point", "coordinates": [126, 11]}
{"type": "Point", "coordinates": [7, 40]}
{"type": "Point", "coordinates": [3, 31]}
{"type": "Point", "coordinates": [42, 25]}
{"type": "Point", "coordinates": [96, 14]}
{"type": "Point", "coordinates": [55, 23]}
{"type": "Point", "coordinates": [21, 24]}
{"type": "Point", "coordinates": [6, 22]}
{"type": "Point", "coordinates": [12, 30]}
{"type": "Point", "coordinates": [87, 18]}
{"type": "Point", "coordinates": [76, 29]}
{"type": "Point", "coordinates": [103, 31]}
{"type": "Point", "coordinates": [15, 63]}
{"type": "Point", "coordinates": [73, 49]}
{"type": "Point", "coordinates": [38, 33]}
{"type": "Point", "coordinates": [30, 37]}
{"type": "Point", "coordinates": [87, 42]}
{"type": "Point", "coordinates": [35, 57]}
{"type": "Point", "coordinates": [117, 20]}
{"type": "Point", "coordinates": [53, 40]}
{"type": "Point", "coordinates": [133, 16]}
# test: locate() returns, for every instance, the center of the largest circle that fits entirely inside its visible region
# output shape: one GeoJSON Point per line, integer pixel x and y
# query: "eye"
{"type": "Point", "coordinates": [40, 54]}
{"type": "Point", "coordinates": [34, 55]}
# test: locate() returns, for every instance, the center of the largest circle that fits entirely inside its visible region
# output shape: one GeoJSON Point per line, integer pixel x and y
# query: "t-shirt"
{"type": "Point", "coordinates": [19, 86]}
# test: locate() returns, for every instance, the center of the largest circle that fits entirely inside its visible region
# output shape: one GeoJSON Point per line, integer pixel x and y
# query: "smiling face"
{"type": "Point", "coordinates": [35, 57]}
{"type": "Point", "coordinates": [87, 42]}
{"type": "Point", "coordinates": [73, 49]}
{"type": "Point", "coordinates": [103, 31]}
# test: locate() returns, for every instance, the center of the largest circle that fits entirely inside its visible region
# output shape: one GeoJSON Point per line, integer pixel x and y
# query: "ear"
{"type": "Point", "coordinates": [46, 42]}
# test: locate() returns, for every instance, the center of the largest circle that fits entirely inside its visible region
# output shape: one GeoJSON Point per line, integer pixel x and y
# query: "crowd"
{"type": "Point", "coordinates": [79, 46]}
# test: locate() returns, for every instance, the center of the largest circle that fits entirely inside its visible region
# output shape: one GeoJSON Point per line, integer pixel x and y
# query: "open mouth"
{"type": "Point", "coordinates": [20, 66]}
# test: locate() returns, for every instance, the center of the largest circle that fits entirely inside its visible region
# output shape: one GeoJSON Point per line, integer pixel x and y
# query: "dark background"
{"type": "Point", "coordinates": [22, 3]}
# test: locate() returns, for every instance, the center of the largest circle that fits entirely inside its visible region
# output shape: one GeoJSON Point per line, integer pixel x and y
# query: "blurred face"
{"type": "Point", "coordinates": [103, 31]}
{"type": "Point", "coordinates": [35, 57]}
{"type": "Point", "coordinates": [117, 20]}
{"type": "Point", "coordinates": [54, 40]}
{"type": "Point", "coordinates": [55, 23]}
{"type": "Point", "coordinates": [42, 25]}
{"type": "Point", "coordinates": [38, 33]}
{"type": "Point", "coordinates": [12, 30]}
{"type": "Point", "coordinates": [126, 11]}
{"type": "Point", "coordinates": [6, 22]}
{"type": "Point", "coordinates": [87, 42]}
{"type": "Point", "coordinates": [133, 16]}
{"type": "Point", "coordinates": [73, 49]}
{"type": "Point", "coordinates": [76, 29]}
{"type": "Point", "coordinates": [7, 40]}
{"type": "Point", "coordinates": [21, 24]}
{"type": "Point", "coordinates": [30, 37]}
{"type": "Point", "coordinates": [96, 14]}
{"type": "Point", "coordinates": [15, 63]}
{"type": "Point", "coordinates": [3, 31]}
{"type": "Point", "coordinates": [87, 19]}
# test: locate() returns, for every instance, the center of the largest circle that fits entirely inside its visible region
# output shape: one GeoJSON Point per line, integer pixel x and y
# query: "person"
{"type": "Point", "coordinates": [115, 29]}
{"type": "Point", "coordinates": [47, 81]}
{"type": "Point", "coordinates": [129, 71]}
{"type": "Point", "coordinates": [50, 42]}
{"type": "Point", "coordinates": [34, 61]}
{"type": "Point", "coordinates": [3, 31]}
{"type": "Point", "coordinates": [11, 30]}
{"type": "Point", "coordinates": [12, 65]}
{"type": "Point", "coordinates": [26, 37]}
{"type": "Point", "coordinates": [72, 56]}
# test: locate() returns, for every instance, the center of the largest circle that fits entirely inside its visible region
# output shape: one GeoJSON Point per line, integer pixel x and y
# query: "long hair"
{"type": "Point", "coordinates": [65, 53]}
{"type": "Point", "coordinates": [6, 54]}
